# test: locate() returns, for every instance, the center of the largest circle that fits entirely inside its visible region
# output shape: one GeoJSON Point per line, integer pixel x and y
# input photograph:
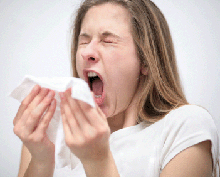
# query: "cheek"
{"type": "Point", "coordinates": [126, 66]}
{"type": "Point", "coordinates": [78, 64]}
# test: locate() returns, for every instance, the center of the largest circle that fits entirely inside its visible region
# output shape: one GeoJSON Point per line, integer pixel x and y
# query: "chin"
{"type": "Point", "coordinates": [107, 111]}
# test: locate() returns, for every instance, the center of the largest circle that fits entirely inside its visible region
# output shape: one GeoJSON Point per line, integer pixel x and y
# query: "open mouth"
{"type": "Point", "coordinates": [96, 86]}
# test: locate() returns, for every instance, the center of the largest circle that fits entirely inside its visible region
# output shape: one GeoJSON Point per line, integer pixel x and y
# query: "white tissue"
{"type": "Point", "coordinates": [80, 91]}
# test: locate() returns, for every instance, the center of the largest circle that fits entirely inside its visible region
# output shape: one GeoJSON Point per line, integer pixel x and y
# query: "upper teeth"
{"type": "Point", "coordinates": [92, 74]}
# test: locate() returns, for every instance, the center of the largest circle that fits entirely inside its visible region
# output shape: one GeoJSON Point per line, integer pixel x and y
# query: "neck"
{"type": "Point", "coordinates": [116, 122]}
{"type": "Point", "coordinates": [122, 120]}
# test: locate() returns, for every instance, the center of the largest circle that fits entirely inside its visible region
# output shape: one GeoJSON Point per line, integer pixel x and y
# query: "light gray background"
{"type": "Point", "coordinates": [34, 40]}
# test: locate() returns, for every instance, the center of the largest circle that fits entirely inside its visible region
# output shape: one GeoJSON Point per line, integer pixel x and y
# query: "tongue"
{"type": "Point", "coordinates": [97, 87]}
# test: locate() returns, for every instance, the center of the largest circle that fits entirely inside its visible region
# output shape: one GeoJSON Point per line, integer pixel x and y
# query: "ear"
{"type": "Point", "coordinates": [144, 70]}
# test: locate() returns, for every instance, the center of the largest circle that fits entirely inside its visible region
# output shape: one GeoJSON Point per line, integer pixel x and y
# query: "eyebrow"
{"type": "Point", "coordinates": [108, 33]}
{"type": "Point", "coordinates": [104, 34]}
{"type": "Point", "coordinates": [84, 35]}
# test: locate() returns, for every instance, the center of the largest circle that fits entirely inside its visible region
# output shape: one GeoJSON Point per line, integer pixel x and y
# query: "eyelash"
{"type": "Point", "coordinates": [105, 41]}
{"type": "Point", "coordinates": [81, 43]}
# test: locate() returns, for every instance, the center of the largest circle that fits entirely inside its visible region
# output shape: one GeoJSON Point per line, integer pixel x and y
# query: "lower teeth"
{"type": "Point", "coordinates": [98, 96]}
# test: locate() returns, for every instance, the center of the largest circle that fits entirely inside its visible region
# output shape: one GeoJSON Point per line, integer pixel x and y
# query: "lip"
{"type": "Point", "coordinates": [85, 74]}
{"type": "Point", "coordinates": [99, 101]}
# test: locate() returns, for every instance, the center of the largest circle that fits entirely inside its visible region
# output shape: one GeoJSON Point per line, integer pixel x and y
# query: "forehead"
{"type": "Point", "coordinates": [108, 16]}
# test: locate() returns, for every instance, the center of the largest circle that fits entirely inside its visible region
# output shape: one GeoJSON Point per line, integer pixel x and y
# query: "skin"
{"type": "Point", "coordinates": [87, 129]}
{"type": "Point", "coordinates": [30, 126]}
{"type": "Point", "coordinates": [111, 45]}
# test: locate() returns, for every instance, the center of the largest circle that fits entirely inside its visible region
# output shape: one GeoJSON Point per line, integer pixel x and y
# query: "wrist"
{"type": "Point", "coordinates": [40, 168]}
{"type": "Point", "coordinates": [100, 167]}
{"type": "Point", "coordinates": [49, 163]}
{"type": "Point", "coordinates": [97, 157]}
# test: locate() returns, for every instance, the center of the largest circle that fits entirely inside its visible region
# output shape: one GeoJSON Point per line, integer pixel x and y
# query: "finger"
{"type": "Point", "coordinates": [98, 108]}
{"type": "Point", "coordinates": [66, 127]}
{"type": "Point", "coordinates": [45, 121]}
{"type": "Point", "coordinates": [101, 113]}
{"type": "Point", "coordinates": [91, 114]}
{"type": "Point", "coordinates": [76, 110]}
{"type": "Point", "coordinates": [35, 116]}
{"type": "Point", "coordinates": [26, 102]}
{"type": "Point", "coordinates": [68, 115]}
{"type": "Point", "coordinates": [38, 98]}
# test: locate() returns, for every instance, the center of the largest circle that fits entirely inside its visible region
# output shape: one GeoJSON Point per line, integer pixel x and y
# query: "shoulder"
{"type": "Point", "coordinates": [194, 161]}
{"type": "Point", "coordinates": [188, 116]}
{"type": "Point", "coordinates": [185, 127]}
{"type": "Point", "coordinates": [189, 111]}
{"type": "Point", "coordinates": [190, 124]}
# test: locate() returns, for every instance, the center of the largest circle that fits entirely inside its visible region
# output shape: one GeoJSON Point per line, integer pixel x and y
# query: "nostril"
{"type": "Point", "coordinates": [92, 58]}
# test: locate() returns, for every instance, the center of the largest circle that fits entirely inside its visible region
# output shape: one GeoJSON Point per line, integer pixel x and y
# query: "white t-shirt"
{"type": "Point", "coordinates": [143, 151]}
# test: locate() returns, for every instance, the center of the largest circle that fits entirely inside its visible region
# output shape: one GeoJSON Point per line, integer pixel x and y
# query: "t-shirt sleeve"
{"type": "Point", "coordinates": [185, 127]}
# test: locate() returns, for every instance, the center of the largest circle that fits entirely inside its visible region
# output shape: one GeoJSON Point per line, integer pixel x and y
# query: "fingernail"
{"type": "Point", "coordinates": [93, 95]}
{"type": "Point", "coordinates": [50, 94]}
{"type": "Point", "coordinates": [36, 87]}
{"type": "Point", "coordinates": [44, 90]}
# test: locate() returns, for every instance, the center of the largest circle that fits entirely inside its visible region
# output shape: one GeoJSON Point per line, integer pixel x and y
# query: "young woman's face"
{"type": "Point", "coordinates": [106, 47]}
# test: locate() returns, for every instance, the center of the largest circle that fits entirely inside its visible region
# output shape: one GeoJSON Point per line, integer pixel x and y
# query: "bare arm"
{"type": "Point", "coordinates": [24, 162]}
{"type": "Point", "coordinates": [104, 167]}
{"type": "Point", "coordinates": [195, 161]}
{"type": "Point", "coordinates": [30, 167]}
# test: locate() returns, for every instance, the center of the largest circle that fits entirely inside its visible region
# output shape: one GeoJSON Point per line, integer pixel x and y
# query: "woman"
{"type": "Point", "coordinates": [142, 124]}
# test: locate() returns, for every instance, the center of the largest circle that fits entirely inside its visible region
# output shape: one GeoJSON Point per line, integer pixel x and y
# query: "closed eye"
{"type": "Point", "coordinates": [82, 43]}
{"type": "Point", "coordinates": [108, 41]}
{"type": "Point", "coordinates": [84, 39]}
{"type": "Point", "coordinates": [108, 37]}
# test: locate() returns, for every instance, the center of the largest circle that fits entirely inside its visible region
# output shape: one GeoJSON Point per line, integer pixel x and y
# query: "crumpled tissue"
{"type": "Point", "coordinates": [80, 91]}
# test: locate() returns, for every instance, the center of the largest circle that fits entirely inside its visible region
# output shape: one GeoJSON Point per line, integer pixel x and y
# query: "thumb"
{"type": "Point", "coordinates": [93, 96]}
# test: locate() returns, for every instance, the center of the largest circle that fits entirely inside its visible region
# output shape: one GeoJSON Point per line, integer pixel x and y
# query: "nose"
{"type": "Point", "coordinates": [90, 52]}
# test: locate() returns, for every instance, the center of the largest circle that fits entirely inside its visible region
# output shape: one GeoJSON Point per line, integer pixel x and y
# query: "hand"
{"type": "Point", "coordinates": [31, 123]}
{"type": "Point", "coordinates": [86, 129]}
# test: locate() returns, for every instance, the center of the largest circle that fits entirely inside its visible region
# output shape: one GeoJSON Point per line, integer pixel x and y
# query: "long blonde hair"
{"type": "Point", "coordinates": [162, 89]}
